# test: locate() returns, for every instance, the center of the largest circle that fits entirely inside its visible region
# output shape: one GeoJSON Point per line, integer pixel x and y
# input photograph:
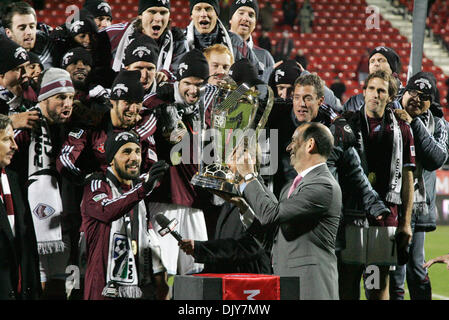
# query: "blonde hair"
{"type": "Point", "coordinates": [218, 48]}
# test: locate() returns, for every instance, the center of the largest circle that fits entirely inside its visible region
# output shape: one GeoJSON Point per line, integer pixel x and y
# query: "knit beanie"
{"type": "Point", "coordinates": [116, 140]}
{"type": "Point", "coordinates": [34, 58]}
{"type": "Point", "coordinates": [12, 55]}
{"type": "Point", "coordinates": [193, 64]}
{"type": "Point", "coordinates": [127, 86]}
{"type": "Point", "coordinates": [74, 55]}
{"type": "Point", "coordinates": [244, 3]}
{"type": "Point", "coordinates": [145, 4]}
{"type": "Point", "coordinates": [243, 71]}
{"type": "Point", "coordinates": [213, 3]}
{"type": "Point", "coordinates": [392, 57]}
{"type": "Point", "coordinates": [98, 8]}
{"type": "Point", "coordinates": [55, 81]}
{"type": "Point", "coordinates": [85, 24]}
{"type": "Point", "coordinates": [424, 82]}
{"type": "Point", "coordinates": [286, 73]}
{"type": "Point", "coordinates": [143, 48]}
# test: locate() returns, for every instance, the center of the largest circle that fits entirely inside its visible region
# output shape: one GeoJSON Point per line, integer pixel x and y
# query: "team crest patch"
{"type": "Point", "coordinates": [99, 197]}
{"type": "Point", "coordinates": [152, 155]}
{"type": "Point", "coordinates": [412, 151]}
{"type": "Point", "coordinates": [76, 134]}
{"type": "Point", "coordinates": [76, 26]}
{"type": "Point", "coordinates": [66, 58]}
{"type": "Point", "coordinates": [120, 89]}
{"type": "Point", "coordinates": [43, 211]}
{"type": "Point", "coordinates": [21, 53]}
{"type": "Point", "coordinates": [183, 68]}
{"type": "Point", "coordinates": [141, 51]}
{"type": "Point", "coordinates": [100, 148]}
{"type": "Point", "coordinates": [278, 74]}
{"type": "Point", "coordinates": [104, 7]}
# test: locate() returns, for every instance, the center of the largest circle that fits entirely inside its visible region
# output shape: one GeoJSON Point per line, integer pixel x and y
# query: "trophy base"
{"type": "Point", "coordinates": [213, 183]}
{"type": "Point", "coordinates": [216, 177]}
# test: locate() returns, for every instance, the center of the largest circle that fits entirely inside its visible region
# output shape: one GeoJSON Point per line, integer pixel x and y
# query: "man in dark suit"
{"type": "Point", "coordinates": [302, 226]}
{"type": "Point", "coordinates": [19, 264]}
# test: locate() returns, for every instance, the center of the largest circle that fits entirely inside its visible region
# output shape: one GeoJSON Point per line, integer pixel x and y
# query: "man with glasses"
{"type": "Point", "coordinates": [431, 142]}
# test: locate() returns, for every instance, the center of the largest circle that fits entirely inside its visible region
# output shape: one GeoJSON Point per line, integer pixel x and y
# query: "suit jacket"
{"type": "Point", "coordinates": [19, 250]}
{"type": "Point", "coordinates": [303, 243]}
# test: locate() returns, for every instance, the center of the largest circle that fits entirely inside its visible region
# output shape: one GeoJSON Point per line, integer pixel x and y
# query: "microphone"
{"type": "Point", "coordinates": [168, 226]}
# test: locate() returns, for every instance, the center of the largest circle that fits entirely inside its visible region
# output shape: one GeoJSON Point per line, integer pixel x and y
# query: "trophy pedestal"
{"type": "Point", "coordinates": [215, 177]}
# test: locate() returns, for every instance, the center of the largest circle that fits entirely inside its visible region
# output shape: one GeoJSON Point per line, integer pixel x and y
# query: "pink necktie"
{"type": "Point", "coordinates": [294, 185]}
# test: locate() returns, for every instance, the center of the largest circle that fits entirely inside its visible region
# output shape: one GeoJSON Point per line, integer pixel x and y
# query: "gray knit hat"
{"type": "Point", "coordinates": [54, 81]}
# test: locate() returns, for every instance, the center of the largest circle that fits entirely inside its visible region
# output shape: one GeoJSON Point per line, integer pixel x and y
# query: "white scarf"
{"type": "Point", "coordinates": [166, 53]}
{"type": "Point", "coordinates": [394, 190]}
{"type": "Point", "coordinates": [43, 192]}
{"type": "Point", "coordinates": [419, 201]}
{"type": "Point", "coordinates": [122, 279]}
{"type": "Point", "coordinates": [221, 29]}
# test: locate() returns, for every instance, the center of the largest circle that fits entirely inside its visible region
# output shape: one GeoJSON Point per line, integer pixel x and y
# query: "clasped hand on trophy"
{"type": "Point", "coordinates": [241, 161]}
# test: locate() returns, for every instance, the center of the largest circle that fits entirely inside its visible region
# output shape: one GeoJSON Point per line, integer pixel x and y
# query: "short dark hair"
{"type": "Point", "coordinates": [14, 8]}
{"type": "Point", "coordinates": [392, 82]}
{"type": "Point", "coordinates": [311, 80]}
{"type": "Point", "coordinates": [4, 121]}
{"type": "Point", "coordinates": [323, 138]}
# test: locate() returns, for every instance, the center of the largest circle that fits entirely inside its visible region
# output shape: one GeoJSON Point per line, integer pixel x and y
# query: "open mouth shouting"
{"type": "Point", "coordinates": [204, 25]}
{"type": "Point", "coordinates": [156, 30]}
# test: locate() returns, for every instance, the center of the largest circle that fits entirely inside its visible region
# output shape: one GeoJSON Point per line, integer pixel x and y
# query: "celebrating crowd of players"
{"type": "Point", "coordinates": [92, 110]}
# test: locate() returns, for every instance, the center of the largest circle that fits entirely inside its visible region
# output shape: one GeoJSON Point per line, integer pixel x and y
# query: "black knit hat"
{"type": "Point", "coordinates": [424, 82]}
{"type": "Point", "coordinates": [244, 3]}
{"type": "Point", "coordinates": [213, 3]}
{"type": "Point", "coordinates": [98, 8]}
{"type": "Point", "coordinates": [85, 24]}
{"type": "Point", "coordinates": [145, 4]}
{"type": "Point", "coordinates": [286, 73]}
{"type": "Point", "coordinates": [74, 55]}
{"type": "Point", "coordinates": [34, 58]}
{"type": "Point", "coordinates": [127, 86]}
{"type": "Point", "coordinates": [243, 71]}
{"type": "Point", "coordinates": [116, 140]}
{"type": "Point", "coordinates": [143, 48]}
{"type": "Point", "coordinates": [193, 64]}
{"type": "Point", "coordinates": [12, 55]}
{"type": "Point", "coordinates": [392, 57]}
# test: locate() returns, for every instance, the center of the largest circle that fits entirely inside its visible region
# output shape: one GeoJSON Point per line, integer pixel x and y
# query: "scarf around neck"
{"type": "Point", "coordinates": [165, 51]}
{"type": "Point", "coordinates": [394, 187]}
{"type": "Point", "coordinates": [46, 207]}
{"type": "Point", "coordinates": [219, 35]}
{"type": "Point", "coordinates": [129, 257]}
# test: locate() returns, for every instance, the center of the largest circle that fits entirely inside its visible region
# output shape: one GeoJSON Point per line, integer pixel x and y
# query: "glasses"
{"type": "Point", "coordinates": [422, 96]}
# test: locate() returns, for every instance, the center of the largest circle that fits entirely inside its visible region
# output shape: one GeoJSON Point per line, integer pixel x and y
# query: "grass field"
{"type": "Point", "coordinates": [437, 244]}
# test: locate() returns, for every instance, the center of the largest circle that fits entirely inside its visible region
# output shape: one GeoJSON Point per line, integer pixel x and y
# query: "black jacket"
{"type": "Point", "coordinates": [20, 250]}
{"type": "Point", "coordinates": [233, 250]}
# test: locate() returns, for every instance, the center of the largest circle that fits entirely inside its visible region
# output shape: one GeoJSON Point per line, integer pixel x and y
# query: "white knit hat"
{"type": "Point", "coordinates": [55, 81]}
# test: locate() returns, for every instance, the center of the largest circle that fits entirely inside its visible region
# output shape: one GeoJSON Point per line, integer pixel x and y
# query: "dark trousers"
{"type": "Point", "coordinates": [418, 281]}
